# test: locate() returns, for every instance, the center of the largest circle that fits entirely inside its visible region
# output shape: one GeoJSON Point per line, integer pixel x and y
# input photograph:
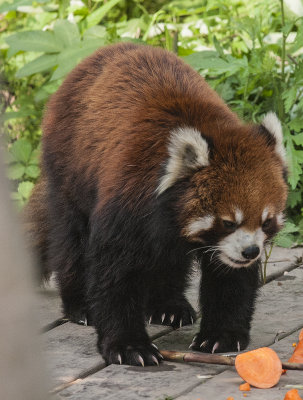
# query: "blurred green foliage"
{"type": "Point", "coordinates": [251, 53]}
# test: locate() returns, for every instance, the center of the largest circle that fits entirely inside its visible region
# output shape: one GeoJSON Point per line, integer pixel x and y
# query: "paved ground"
{"type": "Point", "coordinates": [78, 372]}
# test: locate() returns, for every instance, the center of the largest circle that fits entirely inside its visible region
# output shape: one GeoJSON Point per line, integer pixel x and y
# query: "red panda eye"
{"type": "Point", "coordinates": [229, 225]}
{"type": "Point", "coordinates": [267, 223]}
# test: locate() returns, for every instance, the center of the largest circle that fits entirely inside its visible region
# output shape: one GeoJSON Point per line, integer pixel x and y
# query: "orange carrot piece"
{"type": "Point", "coordinates": [297, 356]}
{"type": "Point", "coordinates": [292, 394]}
{"type": "Point", "coordinates": [230, 398]}
{"type": "Point", "coordinates": [301, 335]}
{"type": "Point", "coordinates": [245, 387]}
{"type": "Point", "coordinates": [261, 368]}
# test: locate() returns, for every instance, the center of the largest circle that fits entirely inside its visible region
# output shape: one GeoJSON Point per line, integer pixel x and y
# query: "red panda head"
{"type": "Point", "coordinates": [235, 188]}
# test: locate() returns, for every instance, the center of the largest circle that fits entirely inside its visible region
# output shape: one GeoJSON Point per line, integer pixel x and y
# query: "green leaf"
{"type": "Point", "coordinates": [41, 41]}
{"type": "Point", "coordinates": [96, 16]}
{"type": "Point", "coordinates": [298, 43]}
{"type": "Point", "coordinates": [218, 47]}
{"type": "Point", "coordinates": [66, 33]}
{"type": "Point", "coordinates": [298, 139]}
{"type": "Point", "coordinates": [285, 238]}
{"type": "Point", "coordinates": [95, 32]}
{"type": "Point", "coordinates": [46, 90]}
{"type": "Point", "coordinates": [11, 6]}
{"type": "Point", "coordinates": [289, 97]}
{"type": "Point", "coordinates": [70, 57]}
{"type": "Point", "coordinates": [287, 28]}
{"type": "Point", "coordinates": [33, 171]}
{"type": "Point", "coordinates": [15, 171]}
{"type": "Point", "coordinates": [294, 198]}
{"type": "Point", "coordinates": [25, 188]}
{"type": "Point", "coordinates": [296, 124]}
{"type": "Point", "coordinates": [203, 59]}
{"type": "Point", "coordinates": [42, 63]}
{"type": "Point", "coordinates": [21, 150]}
{"type": "Point", "coordinates": [16, 196]}
{"type": "Point", "coordinates": [295, 158]}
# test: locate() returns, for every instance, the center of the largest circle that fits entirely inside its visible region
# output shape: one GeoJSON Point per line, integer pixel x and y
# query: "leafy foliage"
{"type": "Point", "coordinates": [250, 52]}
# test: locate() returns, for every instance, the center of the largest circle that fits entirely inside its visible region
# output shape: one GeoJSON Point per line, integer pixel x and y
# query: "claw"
{"type": "Point", "coordinates": [216, 345]}
{"type": "Point", "coordinates": [150, 319]}
{"type": "Point", "coordinates": [83, 321]}
{"type": "Point", "coordinates": [203, 344]}
{"type": "Point", "coordinates": [238, 346]}
{"type": "Point", "coordinates": [181, 323]}
{"type": "Point", "coordinates": [155, 360]}
{"type": "Point", "coordinates": [162, 318]}
{"type": "Point", "coordinates": [119, 358]}
{"type": "Point", "coordinates": [172, 317]}
{"type": "Point", "coordinates": [153, 344]}
{"type": "Point", "coordinates": [160, 355]}
{"type": "Point", "coordinates": [140, 359]}
{"type": "Point", "coordinates": [192, 320]}
{"type": "Point", "coordinates": [191, 345]}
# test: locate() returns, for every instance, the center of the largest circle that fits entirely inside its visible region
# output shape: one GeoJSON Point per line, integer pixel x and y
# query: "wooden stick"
{"type": "Point", "coordinates": [206, 358]}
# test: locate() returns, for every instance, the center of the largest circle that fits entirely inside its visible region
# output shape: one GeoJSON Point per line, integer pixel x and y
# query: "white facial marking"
{"type": "Point", "coordinates": [265, 214]}
{"type": "Point", "coordinates": [280, 219]}
{"type": "Point", "coordinates": [231, 246]}
{"type": "Point", "coordinates": [238, 216]}
{"type": "Point", "coordinates": [187, 151]}
{"type": "Point", "coordinates": [200, 224]}
{"type": "Point", "coordinates": [272, 123]}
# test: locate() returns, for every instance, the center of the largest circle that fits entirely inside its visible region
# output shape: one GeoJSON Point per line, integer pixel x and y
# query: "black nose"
{"type": "Point", "coordinates": [251, 252]}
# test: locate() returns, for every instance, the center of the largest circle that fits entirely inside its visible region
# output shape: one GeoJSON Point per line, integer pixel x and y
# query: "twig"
{"type": "Point", "coordinates": [205, 358]}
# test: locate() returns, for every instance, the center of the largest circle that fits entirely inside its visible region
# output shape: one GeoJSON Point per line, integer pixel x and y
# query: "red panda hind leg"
{"type": "Point", "coordinates": [68, 229]}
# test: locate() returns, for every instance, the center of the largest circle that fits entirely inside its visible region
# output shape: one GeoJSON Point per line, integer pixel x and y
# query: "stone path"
{"type": "Point", "coordinates": [78, 372]}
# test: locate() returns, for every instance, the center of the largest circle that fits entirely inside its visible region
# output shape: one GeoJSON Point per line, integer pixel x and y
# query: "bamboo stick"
{"type": "Point", "coordinates": [205, 358]}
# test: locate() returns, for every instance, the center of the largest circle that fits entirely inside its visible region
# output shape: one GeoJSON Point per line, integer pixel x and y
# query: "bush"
{"type": "Point", "coordinates": [249, 52]}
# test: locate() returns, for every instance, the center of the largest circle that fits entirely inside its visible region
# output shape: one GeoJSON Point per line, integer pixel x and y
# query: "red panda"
{"type": "Point", "coordinates": [144, 169]}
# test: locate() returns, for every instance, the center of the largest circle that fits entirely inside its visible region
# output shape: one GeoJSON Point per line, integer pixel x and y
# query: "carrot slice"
{"type": "Point", "coordinates": [245, 387]}
{"type": "Point", "coordinates": [230, 398]}
{"type": "Point", "coordinates": [292, 394]}
{"type": "Point", "coordinates": [297, 356]}
{"type": "Point", "coordinates": [301, 335]}
{"type": "Point", "coordinates": [261, 368]}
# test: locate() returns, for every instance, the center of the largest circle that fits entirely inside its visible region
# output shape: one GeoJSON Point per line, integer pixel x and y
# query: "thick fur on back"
{"type": "Point", "coordinates": [143, 162]}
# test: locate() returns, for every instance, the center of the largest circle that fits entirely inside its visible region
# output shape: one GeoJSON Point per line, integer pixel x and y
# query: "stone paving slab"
{"type": "Point", "coordinates": [71, 349]}
{"type": "Point", "coordinates": [227, 383]}
{"type": "Point", "coordinates": [48, 307]}
{"type": "Point", "coordinates": [278, 309]}
{"type": "Point", "coordinates": [126, 382]}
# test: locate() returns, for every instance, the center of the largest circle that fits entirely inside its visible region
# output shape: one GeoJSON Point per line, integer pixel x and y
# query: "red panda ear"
{"type": "Point", "coordinates": [188, 151]}
{"type": "Point", "coordinates": [273, 126]}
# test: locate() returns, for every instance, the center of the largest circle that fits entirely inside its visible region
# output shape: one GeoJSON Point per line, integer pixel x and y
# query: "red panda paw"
{"type": "Point", "coordinates": [174, 313]}
{"type": "Point", "coordinates": [226, 342]}
{"type": "Point", "coordinates": [138, 355]}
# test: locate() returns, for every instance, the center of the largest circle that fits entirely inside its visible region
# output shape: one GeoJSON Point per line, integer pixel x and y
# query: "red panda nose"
{"type": "Point", "coordinates": [251, 252]}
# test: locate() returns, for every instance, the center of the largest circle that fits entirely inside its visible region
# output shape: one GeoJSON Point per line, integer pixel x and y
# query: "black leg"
{"type": "Point", "coordinates": [227, 298]}
{"type": "Point", "coordinates": [117, 296]}
{"type": "Point", "coordinates": [67, 241]}
{"type": "Point", "coordinates": [166, 302]}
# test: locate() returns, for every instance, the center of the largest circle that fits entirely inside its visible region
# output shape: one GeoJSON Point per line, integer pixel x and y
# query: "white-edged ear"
{"type": "Point", "coordinates": [272, 123]}
{"type": "Point", "coordinates": [188, 151]}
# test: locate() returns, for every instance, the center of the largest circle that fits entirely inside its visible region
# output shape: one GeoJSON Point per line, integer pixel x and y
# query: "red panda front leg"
{"type": "Point", "coordinates": [227, 305]}
{"type": "Point", "coordinates": [167, 304]}
{"type": "Point", "coordinates": [116, 294]}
